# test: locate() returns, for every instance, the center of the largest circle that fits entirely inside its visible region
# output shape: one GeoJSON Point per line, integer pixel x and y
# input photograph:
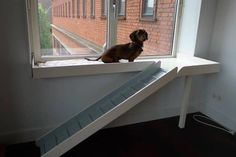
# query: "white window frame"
{"type": "Point", "coordinates": [35, 38]}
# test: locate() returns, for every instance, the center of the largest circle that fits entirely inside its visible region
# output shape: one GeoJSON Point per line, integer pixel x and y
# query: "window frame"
{"type": "Point", "coordinates": [152, 17]}
{"type": "Point", "coordinates": [35, 39]}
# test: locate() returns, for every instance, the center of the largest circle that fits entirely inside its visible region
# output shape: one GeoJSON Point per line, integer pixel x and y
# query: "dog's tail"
{"type": "Point", "coordinates": [89, 59]}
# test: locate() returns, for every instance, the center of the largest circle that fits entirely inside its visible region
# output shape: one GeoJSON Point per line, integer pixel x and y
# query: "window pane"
{"type": "Point", "coordinates": [148, 6]}
{"type": "Point", "coordinates": [73, 8]}
{"type": "Point", "coordinates": [69, 8]}
{"type": "Point", "coordinates": [78, 8]}
{"type": "Point", "coordinates": [84, 8]}
{"type": "Point", "coordinates": [92, 4]}
{"type": "Point", "coordinates": [104, 8]}
{"type": "Point", "coordinates": [160, 32]}
{"type": "Point", "coordinates": [121, 8]}
{"type": "Point", "coordinates": [63, 35]}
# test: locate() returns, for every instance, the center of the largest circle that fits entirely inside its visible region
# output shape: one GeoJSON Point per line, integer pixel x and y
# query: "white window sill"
{"type": "Point", "coordinates": [186, 66]}
{"type": "Point", "coordinates": [78, 67]}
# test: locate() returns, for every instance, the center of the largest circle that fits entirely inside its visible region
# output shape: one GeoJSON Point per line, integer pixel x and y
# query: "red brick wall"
{"type": "Point", "coordinates": [93, 29]}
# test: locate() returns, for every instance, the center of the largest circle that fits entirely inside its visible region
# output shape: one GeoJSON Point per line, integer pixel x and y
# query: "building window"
{"type": "Point", "coordinates": [148, 11]}
{"type": "Point", "coordinates": [66, 10]}
{"type": "Point", "coordinates": [121, 8]}
{"type": "Point", "coordinates": [78, 8]}
{"type": "Point", "coordinates": [60, 10]}
{"type": "Point", "coordinates": [84, 8]}
{"type": "Point", "coordinates": [69, 5]}
{"type": "Point", "coordinates": [63, 10]}
{"type": "Point", "coordinates": [56, 11]}
{"type": "Point", "coordinates": [92, 8]}
{"type": "Point", "coordinates": [104, 9]}
{"type": "Point", "coordinates": [73, 8]}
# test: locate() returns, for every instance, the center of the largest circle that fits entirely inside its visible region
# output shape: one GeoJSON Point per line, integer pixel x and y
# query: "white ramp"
{"type": "Point", "coordinates": [101, 113]}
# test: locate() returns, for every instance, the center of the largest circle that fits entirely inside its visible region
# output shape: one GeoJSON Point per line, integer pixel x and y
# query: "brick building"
{"type": "Point", "coordinates": [78, 24]}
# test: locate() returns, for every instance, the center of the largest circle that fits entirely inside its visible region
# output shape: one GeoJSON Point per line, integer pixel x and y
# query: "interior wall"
{"type": "Point", "coordinates": [221, 100]}
{"type": "Point", "coordinates": [202, 47]}
{"type": "Point", "coordinates": [29, 107]}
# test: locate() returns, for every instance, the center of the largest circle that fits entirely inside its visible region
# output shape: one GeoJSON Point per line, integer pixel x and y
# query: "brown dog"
{"type": "Point", "coordinates": [128, 51]}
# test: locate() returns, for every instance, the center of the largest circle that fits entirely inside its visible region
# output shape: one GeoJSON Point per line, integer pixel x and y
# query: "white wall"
{"type": "Point", "coordinates": [189, 27]}
{"type": "Point", "coordinates": [221, 100]}
{"type": "Point", "coordinates": [201, 49]}
{"type": "Point", "coordinates": [29, 107]}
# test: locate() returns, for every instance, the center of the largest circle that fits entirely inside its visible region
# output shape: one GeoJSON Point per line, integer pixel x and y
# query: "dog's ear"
{"type": "Point", "coordinates": [133, 36]}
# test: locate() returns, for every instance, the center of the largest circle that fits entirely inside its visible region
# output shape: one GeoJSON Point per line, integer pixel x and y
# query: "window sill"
{"type": "Point", "coordinates": [148, 19]}
{"type": "Point", "coordinates": [78, 67]}
{"type": "Point", "coordinates": [103, 17]}
{"type": "Point", "coordinates": [190, 65]}
{"type": "Point", "coordinates": [186, 66]}
{"type": "Point", "coordinates": [121, 17]}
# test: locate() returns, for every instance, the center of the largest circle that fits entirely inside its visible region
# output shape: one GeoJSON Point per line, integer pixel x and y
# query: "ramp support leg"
{"type": "Point", "coordinates": [185, 101]}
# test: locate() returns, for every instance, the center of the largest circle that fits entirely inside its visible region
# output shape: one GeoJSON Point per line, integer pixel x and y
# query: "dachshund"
{"type": "Point", "coordinates": [129, 51]}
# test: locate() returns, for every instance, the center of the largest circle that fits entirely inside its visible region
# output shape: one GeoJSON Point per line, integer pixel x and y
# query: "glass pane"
{"type": "Point", "coordinates": [121, 8]}
{"type": "Point", "coordinates": [104, 8]}
{"type": "Point", "coordinates": [64, 32]}
{"type": "Point", "coordinates": [160, 32]}
{"type": "Point", "coordinates": [92, 7]}
{"type": "Point", "coordinates": [148, 6]}
{"type": "Point", "coordinates": [84, 7]}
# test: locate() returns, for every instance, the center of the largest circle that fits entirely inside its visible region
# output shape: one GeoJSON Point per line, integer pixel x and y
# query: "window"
{"type": "Point", "coordinates": [104, 8]}
{"type": "Point", "coordinates": [92, 8]}
{"type": "Point", "coordinates": [66, 10]}
{"type": "Point", "coordinates": [60, 10]}
{"type": "Point", "coordinates": [78, 8]}
{"type": "Point", "coordinates": [84, 8]}
{"type": "Point", "coordinates": [69, 8]}
{"type": "Point", "coordinates": [121, 8]}
{"type": "Point", "coordinates": [84, 37]}
{"type": "Point", "coordinates": [73, 8]}
{"type": "Point", "coordinates": [63, 10]}
{"type": "Point", "coordinates": [148, 11]}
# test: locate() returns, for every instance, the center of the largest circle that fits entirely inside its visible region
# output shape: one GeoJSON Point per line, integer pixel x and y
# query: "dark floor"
{"type": "Point", "coordinates": [161, 138]}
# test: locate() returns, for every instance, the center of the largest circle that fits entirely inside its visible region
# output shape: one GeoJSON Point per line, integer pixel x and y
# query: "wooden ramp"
{"type": "Point", "coordinates": [101, 113]}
